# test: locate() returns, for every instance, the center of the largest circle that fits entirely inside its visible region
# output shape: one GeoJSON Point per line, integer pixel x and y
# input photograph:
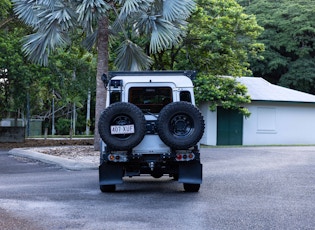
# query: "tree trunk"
{"type": "Point", "coordinates": [53, 130]}
{"type": "Point", "coordinates": [88, 114]}
{"type": "Point", "coordinates": [102, 68]}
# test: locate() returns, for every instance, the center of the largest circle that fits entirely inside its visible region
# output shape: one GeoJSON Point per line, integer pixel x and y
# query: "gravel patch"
{"type": "Point", "coordinates": [77, 153]}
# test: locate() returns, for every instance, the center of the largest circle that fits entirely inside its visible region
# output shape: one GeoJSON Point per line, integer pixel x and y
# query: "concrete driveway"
{"type": "Point", "coordinates": [243, 188]}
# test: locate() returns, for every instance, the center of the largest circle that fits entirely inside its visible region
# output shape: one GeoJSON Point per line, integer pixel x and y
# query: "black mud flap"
{"type": "Point", "coordinates": [110, 174]}
{"type": "Point", "coordinates": [190, 173]}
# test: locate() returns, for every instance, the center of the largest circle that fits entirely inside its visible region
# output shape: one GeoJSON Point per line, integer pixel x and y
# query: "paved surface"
{"type": "Point", "coordinates": [60, 161]}
{"type": "Point", "coordinates": [243, 188]}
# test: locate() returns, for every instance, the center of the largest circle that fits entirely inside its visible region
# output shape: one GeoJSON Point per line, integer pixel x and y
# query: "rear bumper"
{"type": "Point", "coordinates": [186, 172]}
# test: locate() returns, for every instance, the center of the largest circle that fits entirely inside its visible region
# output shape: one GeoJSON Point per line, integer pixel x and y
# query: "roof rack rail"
{"type": "Point", "coordinates": [188, 73]}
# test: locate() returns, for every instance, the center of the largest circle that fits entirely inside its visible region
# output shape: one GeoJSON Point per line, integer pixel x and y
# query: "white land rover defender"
{"type": "Point", "coordinates": [150, 126]}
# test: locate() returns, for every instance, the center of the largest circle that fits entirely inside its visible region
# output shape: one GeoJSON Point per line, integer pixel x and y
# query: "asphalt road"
{"type": "Point", "coordinates": [243, 188]}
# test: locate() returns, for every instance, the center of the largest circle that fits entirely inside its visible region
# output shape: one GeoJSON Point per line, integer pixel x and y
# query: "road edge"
{"type": "Point", "coordinates": [62, 162]}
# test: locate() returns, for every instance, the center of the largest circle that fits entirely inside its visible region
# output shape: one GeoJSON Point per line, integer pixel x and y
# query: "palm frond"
{"type": "Point", "coordinates": [144, 24]}
{"type": "Point", "coordinates": [117, 25]}
{"type": "Point", "coordinates": [132, 6]}
{"type": "Point", "coordinates": [167, 26]}
{"type": "Point", "coordinates": [164, 35]}
{"type": "Point", "coordinates": [39, 45]}
{"type": "Point", "coordinates": [61, 13]}
{"type": "Point", "coordinates": [131, 57]}
{"type": "Point", "coordinates": [26, 11]}
{"type": "Point", "coordinates": [52, 19]}
{"type": "Point", "coordinates": [90, 40]}
{"type": "Point", "coordinates": [90, 11]}
{"type": "Point", "coordinates": [129, 6]}
{"type": "Point", "coordinates": [47, 3]}
{"type": "Point", "coordinates": [178, 9]}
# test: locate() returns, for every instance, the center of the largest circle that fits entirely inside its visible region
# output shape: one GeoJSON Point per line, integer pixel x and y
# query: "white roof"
{"type": "Point", "coordinates": [261, 90]}
{"type": "Point", "coordinates": [179, 80]}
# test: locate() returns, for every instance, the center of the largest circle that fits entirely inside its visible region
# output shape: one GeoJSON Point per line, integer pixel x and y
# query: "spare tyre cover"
{"type": "Point", "coordinates": [122, 126]}
{"type": "Point", "coordinates": [180, 125]}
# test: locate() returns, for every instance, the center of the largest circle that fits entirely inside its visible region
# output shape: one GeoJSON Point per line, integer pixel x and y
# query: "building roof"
{"type": "Point", "coordinates": [261, 90]}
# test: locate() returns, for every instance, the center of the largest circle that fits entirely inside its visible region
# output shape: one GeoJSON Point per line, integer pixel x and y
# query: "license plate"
{"type": "Point", "coordinates": [122, 129]}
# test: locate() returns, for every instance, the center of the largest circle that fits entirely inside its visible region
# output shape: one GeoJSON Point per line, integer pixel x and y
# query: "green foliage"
{"type": "Point", "coordinates": [5, 6]}
{"type": "Point", "coordinates": [63, 126]}
{"type": "Point", "coordinates": [301, 75]}
{"type": "Point", "coordinates": [154, 26]}
{"type": "Point", "coordinates": [161, 22]}
{"type": "Point", "coordinates": [222, 91]}
{"type": "Point", "coordinates": [220, 40]}
{"type": "Point", "coordinates": [222, 37]}
{"type": "Point", "coordinates": [244, 3]}
{"type": "Point", "coordinates": [19, 78]}
{"type": "Point", "coordinates": [289, 40]}
{"type": "Point", "coordinates": [16, 76]}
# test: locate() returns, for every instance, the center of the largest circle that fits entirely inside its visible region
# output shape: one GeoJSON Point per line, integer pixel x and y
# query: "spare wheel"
{"type": "Point", "coordinates": [122, 126]}
{"type": "Point", "coordinates": [180, 125]}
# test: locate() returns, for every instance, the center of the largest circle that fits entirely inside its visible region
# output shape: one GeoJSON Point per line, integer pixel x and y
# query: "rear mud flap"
{"type": "Point", "coordinates": [190, 173]}
{"type": "Point", "coordinates": [110, 174]}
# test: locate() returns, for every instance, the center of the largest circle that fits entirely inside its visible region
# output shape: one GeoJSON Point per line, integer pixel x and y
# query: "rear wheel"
{"type": "Point", "coordinates": [108, 188]}
{"type": "Point", "coordinates": [180, 125]}
{"type": "Point", "coordinates": [191, 187]}
{"type": "Point", "coordinates": [157, 174]}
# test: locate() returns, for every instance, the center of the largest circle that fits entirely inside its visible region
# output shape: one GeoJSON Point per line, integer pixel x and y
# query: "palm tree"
{"type": "Point", "coordinates": [161, 23]}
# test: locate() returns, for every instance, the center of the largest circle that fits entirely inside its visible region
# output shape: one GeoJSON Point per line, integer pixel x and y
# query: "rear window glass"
{"type": "Point", "coordinates": [115, 97]}
{"type": "Point", "coordinates": [185, 96]}
{"type": "Point", "coordinates": [150, 99]}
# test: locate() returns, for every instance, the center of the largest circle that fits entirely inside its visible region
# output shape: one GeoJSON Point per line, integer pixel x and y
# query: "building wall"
{"type": "Point", "coordinates": [270, 123]}
{"type": "Point", "coordinates": [210, 134]}
{"type": "Point", "coordinates": [279, 124]}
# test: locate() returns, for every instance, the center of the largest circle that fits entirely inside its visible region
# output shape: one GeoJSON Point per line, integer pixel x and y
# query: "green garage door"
{"type": "Point", "coordinates": [229, 127]}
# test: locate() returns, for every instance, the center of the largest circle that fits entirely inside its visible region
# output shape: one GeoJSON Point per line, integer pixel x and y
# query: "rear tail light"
{"type": "Point", "coordinates": [111, 157]}
{"type": "Point", "coordinates": [185, 156]}
{"type": "Point", "coordinates": [114, 157]}
{"type": "Point", "coordinates": [179, 157]}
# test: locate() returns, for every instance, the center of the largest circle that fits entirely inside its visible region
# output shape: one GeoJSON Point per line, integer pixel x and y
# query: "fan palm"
{"type": "Point", "coordinates": [160, 22]}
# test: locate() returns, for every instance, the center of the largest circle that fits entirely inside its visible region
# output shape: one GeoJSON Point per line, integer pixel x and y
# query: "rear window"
{"type": "Point", "coordinates": [185, 96]}
{"type": "Point", "coordinates": [150, 99]}
{"type": "Point", "coordinates": [114, 97]}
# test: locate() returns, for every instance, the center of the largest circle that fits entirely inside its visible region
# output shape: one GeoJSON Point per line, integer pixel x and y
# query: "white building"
{"type": "Point", "coordinates": [279, 116]}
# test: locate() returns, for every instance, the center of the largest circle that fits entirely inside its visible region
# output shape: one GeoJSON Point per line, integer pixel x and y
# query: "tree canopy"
{"type": "Point", "coordinates": [53, 21]}
{"type": "Point", "coordinates": [218, 39]}
{"type": "Point", "coordinates": [221, 41]}
{"type": "Point", "coordinates": [5, 6]}
{"type": "Point", "coordinates": [222, 91]}
{"type": "Point", "coordinates": [161, 23]}
{"type": "Point", "coordinates": [21, 79]}
{"type": "Point", "coordinates": [222, 38]}
{"type": "Point", "coordinates": [289, 59]}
